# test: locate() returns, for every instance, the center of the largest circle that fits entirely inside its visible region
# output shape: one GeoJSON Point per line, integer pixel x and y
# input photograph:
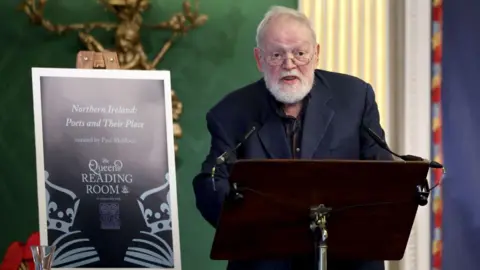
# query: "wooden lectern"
{"type": "Point", "coordinates": [281, 208]}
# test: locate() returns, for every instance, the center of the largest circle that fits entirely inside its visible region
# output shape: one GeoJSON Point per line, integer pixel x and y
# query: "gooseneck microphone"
{"type": "Point", "coordinates": [423, 191]}
{"type": "Point", "coordinates": [383, 144]}
{"type": "Point", "coordinates": [225, 157]}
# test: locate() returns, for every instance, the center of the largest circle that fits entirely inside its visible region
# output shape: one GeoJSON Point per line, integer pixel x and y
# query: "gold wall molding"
{"type": "Point", "coordinates": [127, 35]}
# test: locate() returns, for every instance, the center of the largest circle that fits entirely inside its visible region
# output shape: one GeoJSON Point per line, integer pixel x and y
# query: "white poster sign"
{"type": "Point", "coordinates": [105, 157]}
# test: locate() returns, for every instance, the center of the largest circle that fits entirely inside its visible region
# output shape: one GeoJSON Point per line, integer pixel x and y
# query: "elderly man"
{"type": "Point", "coordinates": [300, 112]}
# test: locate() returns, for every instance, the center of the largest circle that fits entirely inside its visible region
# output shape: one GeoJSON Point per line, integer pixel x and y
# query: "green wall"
{"type": "Point", "coordinates": [205, 65]}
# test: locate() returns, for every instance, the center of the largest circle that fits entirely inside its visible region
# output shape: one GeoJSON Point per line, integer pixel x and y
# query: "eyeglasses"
{"type": "Point", "coordinates": [300, 57]}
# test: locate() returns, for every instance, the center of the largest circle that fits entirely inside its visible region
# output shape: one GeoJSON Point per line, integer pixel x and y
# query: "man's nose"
{"type": "Point", "coordinates": [288, 63]}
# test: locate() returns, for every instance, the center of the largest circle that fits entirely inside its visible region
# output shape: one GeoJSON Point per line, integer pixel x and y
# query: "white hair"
{"type": "Point", "coordinates": [279, 11]}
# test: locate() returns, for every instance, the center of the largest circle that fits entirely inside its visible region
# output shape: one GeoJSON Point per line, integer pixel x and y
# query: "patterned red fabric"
{"type": "Point", "coordinates": [437, 23]}
{"type": "Point", "coordinates": [18, 253]}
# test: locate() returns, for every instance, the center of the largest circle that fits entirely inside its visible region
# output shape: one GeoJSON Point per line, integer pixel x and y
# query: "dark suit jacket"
{"type": "Point", "coordinates": [339, 104]}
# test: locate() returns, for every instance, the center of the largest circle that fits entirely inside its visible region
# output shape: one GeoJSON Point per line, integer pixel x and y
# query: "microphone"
{"type": "Point", "coordinates": [423, 192]}
{"type": "Point", "coordinates": [383, 144]}
{"type": "Point", "coordinates": [225, 156]}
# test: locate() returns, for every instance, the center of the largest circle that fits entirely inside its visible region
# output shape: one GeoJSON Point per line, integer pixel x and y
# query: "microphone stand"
{"type": "Point", "coordinates": [318, 225]}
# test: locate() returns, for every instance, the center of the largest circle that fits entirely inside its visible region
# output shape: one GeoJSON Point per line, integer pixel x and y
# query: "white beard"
{"type": "Point", "coordinates": [288, 94]}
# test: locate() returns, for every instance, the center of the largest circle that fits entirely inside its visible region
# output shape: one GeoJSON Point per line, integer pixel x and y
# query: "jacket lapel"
{"type": "Point", "coordinates": [273, 138]}
{"type": "Point", "coordinates": [317, 118]}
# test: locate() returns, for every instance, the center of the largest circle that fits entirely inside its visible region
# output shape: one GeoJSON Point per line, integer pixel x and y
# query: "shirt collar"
{"type": "Point", "coordinates": [278, 106]}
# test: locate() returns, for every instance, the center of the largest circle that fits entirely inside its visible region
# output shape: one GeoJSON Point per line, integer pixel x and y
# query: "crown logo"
{"type": "Point", "coordinates": [160, 220]}
{"type": "Point", "coordinates": [150, 249]}
{"type": "Point", "coordinates": [60, 219]}
{"type": "Point", "coordinates": [73, 250]}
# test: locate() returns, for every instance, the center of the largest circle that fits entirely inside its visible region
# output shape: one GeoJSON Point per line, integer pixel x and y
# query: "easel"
{"type": "Point", "coordinates": [97, 60]}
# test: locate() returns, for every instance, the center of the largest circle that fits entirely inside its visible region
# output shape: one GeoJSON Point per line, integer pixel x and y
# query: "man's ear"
{"type": "Point", "coordinates": [317, 58]}
{"type": "Point", "coordinates": [256, 54]}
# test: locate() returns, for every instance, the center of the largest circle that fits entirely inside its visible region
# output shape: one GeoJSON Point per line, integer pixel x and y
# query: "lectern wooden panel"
{"type": "Point", "coordinates": [373, 206]}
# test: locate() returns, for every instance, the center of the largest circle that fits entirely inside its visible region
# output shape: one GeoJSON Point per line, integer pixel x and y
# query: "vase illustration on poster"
{"type": "Point", "coordinates": [128, 42]}
{"type": "Point", "coordinates": [148, 248]}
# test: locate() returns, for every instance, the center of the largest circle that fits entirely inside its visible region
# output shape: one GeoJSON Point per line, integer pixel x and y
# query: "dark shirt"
{"type": "Point", "coordinates": [293, 126]}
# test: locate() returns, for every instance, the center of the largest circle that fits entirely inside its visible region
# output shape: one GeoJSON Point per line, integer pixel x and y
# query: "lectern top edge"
{"type": "Point", "coordinates": [327, 161]}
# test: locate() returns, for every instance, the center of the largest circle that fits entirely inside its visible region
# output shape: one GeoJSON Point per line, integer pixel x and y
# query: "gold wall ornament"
{"type": "Point", "coordinates": [128, 46]}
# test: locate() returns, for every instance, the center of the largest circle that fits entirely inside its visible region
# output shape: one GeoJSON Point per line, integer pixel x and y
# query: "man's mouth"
{"type": "Point", "coordinates": [289, 79]}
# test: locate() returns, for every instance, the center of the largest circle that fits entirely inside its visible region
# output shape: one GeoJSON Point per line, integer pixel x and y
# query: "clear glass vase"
{"type": "Point", "coordinates": [43, 257]}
